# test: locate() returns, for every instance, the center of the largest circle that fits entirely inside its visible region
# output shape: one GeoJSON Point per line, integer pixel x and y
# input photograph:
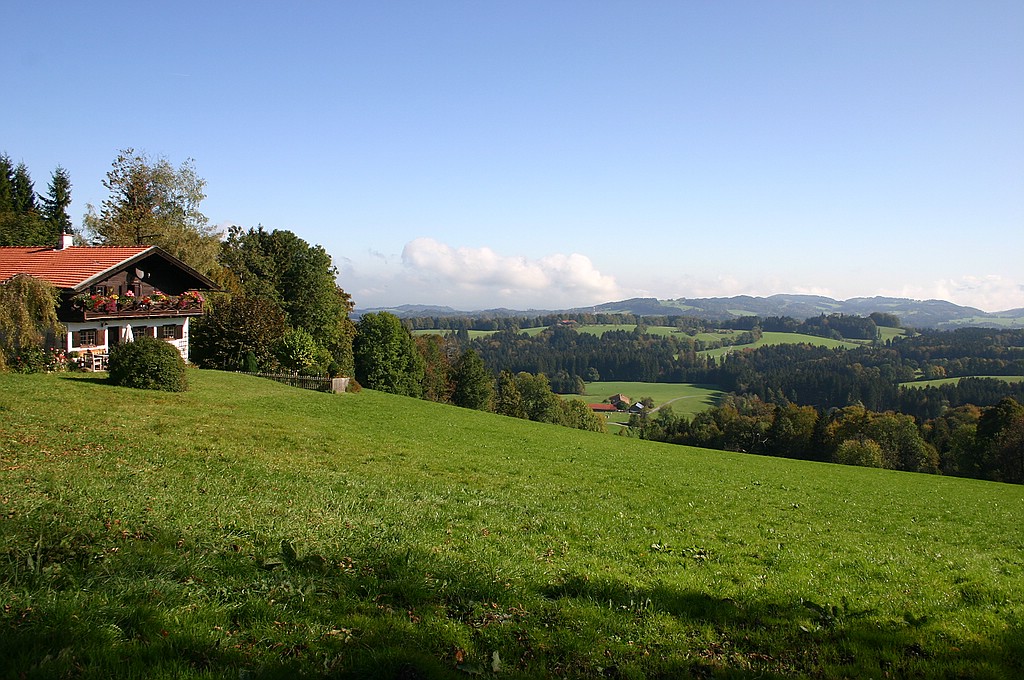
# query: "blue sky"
{"type": "Point", "coordinates": [553, 154]}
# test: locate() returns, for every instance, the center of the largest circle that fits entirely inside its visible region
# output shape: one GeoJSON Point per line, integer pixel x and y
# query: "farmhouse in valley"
{"type": "Point", "coordinates": [620, 401]}
{"type": "Point", "coordinates": [111, 294]}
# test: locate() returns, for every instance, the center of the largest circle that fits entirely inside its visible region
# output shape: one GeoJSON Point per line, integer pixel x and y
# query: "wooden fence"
{"type": "Point", "coordinates": [320, 383]}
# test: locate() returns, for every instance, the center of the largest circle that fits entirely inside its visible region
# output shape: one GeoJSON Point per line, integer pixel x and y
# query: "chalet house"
{"type": "Point", "coordinates": [113, 294]}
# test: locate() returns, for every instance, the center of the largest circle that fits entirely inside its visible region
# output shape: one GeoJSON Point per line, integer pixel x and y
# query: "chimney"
{"type": "Point", "coordinates": [66, 240]}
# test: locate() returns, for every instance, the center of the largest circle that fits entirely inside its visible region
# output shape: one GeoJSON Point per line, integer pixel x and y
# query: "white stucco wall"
{"type": "Point", "coordinates": [115, 328]}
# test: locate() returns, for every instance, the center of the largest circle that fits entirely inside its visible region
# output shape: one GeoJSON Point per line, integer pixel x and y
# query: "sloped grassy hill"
{"type": "Point", "coordinates": [246, 529]}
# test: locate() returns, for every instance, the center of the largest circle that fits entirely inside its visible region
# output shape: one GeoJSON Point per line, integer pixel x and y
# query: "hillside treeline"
{"type": "Point", "coordinates": [799, 373]}
{"type": "Point", "coordinates": [966, 441]}
{"type": "Point", "coordinates": [871, 375]}
{"type": "Point", "coordinates": [436, 368]}
{"type": "Point", "coordinates": [836, 326]}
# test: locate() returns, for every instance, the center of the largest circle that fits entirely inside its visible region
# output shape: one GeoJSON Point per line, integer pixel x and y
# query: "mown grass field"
{"type": "Point", "coordinates": [948, 381]}
{"type": "Point", "coordinates": [245, 529]}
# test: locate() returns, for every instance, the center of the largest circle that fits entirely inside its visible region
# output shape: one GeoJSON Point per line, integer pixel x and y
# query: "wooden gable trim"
{"type": "Point", "coordinates": [152, 251]}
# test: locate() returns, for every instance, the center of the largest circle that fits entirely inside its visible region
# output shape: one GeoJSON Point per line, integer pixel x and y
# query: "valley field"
{"type": "Point", "coordinates": [246, 529]}
{"type": "Point", "coordinates": [685, 398]}
{"type": "Point", "coordinates": [951, 381]}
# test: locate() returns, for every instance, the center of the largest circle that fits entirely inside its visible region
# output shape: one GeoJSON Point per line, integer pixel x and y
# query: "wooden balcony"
{"type": "Point", "coordinates": [139, 312]}
{"type": "Point", "coordinates": [87, 307]}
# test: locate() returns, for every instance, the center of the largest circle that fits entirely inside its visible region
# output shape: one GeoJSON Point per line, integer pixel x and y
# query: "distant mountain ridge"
{"type": "Point", "coordinates": [912, 313]}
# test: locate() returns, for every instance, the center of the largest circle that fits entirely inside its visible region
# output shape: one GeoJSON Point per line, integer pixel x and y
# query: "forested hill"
{"type": "Point", "coordinates": [913, 313]}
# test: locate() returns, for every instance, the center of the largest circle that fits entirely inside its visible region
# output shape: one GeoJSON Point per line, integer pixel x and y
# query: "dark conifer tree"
{"type": "Point", "coordinates": [23, 191]}
{"type": "Point", "coordinates": [56, 202]}
{"type": "Point", "coordinates": [6, 184]}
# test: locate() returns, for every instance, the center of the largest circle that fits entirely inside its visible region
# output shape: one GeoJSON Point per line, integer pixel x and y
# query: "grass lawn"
{"type": "Point", "coordinates": [245, 529]}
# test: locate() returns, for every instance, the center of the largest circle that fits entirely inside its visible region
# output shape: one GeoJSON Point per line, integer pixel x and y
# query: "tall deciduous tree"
{"type": "Point", "coordinates": [474, 386]}
{"type": "Point", "coordinates": [153, 203]}
{"type": "Point", "coordinates": [1000, 441]}
{"type": "Point", "coordinates": [238, 333]}
{"type": "Point", "coordinates": [437, 352]}
{"type": "Point", "coordinates": [577, 414]}
{"type": "Point", "coordinates": [539, 402]}
{"type": "Point", "coordinates": [385, 356]}
{"type": "Point", "coordinates": [508, 401]}
{"type": "Point", "coordinates": [299, 278]}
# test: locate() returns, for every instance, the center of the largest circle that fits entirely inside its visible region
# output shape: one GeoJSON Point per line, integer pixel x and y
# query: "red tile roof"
{"type": "Point", "coordinates": [65, 268]}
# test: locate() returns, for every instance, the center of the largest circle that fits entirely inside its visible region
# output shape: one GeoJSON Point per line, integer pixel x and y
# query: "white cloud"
{"type": "Point", "coordinates": [990, 293]}
{"type": "Point", "coordinates": [479, 277]}
{"type": "Point", "coordinates": [482, 273]}
{"type": "Point", "coordinates": [432, 272]}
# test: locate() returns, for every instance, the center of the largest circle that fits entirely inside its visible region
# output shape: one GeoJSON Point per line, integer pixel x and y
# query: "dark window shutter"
{"type": "Point", "coordinates": [101, 336]}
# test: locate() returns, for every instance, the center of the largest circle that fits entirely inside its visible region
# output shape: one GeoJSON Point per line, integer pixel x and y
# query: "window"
{"type": "Point", "coordinates": [170, 332]}
{"type": "Point", "coordinates": [98, 290]}
{"type": "Point", "coordinates": [86, 337]}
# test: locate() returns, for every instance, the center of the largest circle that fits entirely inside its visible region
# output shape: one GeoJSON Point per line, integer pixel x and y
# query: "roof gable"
{"type": "Point", "coordinates": [76, 267]}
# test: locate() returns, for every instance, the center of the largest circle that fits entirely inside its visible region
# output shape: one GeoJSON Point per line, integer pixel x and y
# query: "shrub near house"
{"type": "Point", "coordinates": [148, 363]}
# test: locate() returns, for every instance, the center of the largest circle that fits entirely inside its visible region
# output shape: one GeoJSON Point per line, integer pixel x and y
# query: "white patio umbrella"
{"type": "Point", "coordinates": [127, 335]}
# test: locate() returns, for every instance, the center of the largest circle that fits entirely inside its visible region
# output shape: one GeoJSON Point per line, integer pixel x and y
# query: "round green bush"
{"type": "Point", "coordinates": [149, 364]}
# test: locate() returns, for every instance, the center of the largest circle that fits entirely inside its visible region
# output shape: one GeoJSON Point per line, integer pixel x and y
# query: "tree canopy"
{"type": "Point", "coordinates": [239, 332]}
{"type": "Point", "coordinates": [22, 223]}
{"type": "Point", "coordinates": [299, 278]}
{"type": "Point", "coordinates": [385, 356]}
{"type": "Point", "coordinates": [151, 202]}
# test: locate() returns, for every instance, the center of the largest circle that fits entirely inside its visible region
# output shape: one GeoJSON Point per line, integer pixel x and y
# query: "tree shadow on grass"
{"type": "Point", "coordinates": [88, 378]}
{"type": "Point", "coordinates": [805, 638]}
{"type": "Point", "coordinates": [289, 614]}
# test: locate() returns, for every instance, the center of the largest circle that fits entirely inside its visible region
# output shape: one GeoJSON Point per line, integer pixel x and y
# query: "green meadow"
{"type": "Point", "coordinates": [245, 529]}
{"type": "Point", "coordinates": [685, 398]}
{"type": "Point", "coordinates": [950, 381]}
{"type": "Point", "coordinates": [887, 333]}
{"type": "Point", "coordinates": [778, 338]}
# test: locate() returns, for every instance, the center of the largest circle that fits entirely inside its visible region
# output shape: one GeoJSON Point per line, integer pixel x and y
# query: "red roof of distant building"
{"type": "Point", "coordinates": [602, 407]}
{"type": "Point", "coordinates": [66, 268]}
